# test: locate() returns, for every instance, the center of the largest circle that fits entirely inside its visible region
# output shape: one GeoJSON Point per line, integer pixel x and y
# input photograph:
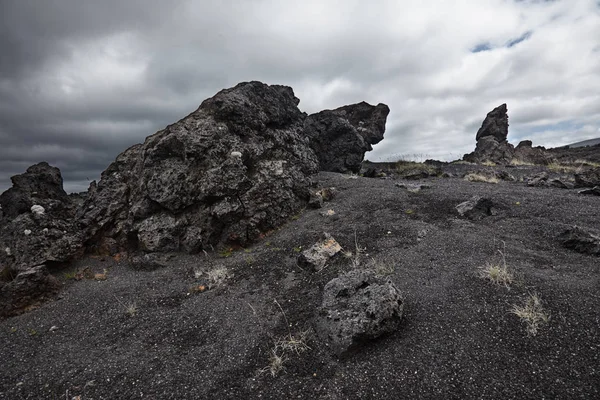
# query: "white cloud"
{"type": "Point", "coordinates": [118, 82]}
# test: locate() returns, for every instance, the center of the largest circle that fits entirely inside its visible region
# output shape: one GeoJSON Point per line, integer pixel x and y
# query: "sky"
{"type": "Point", "coordinates": [82, 80]}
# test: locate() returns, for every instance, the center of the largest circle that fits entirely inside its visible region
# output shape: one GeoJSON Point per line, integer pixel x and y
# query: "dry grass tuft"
{"type": "Point", "coordinates": [473, 177]}
{"type": "Point", "coordinates": [516, 161]}
{"type": "Point", "coordinates": [488, 163]}
{"type": "Point", "coordinates": [498, 274]}
{"type": "Point", "coordinates": [532, 313]}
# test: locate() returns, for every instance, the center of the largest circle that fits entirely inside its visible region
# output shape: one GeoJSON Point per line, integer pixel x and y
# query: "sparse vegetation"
{"type": "Point", "coordinates": [70, 275]}
{"type": "Point", "coordinates": [461, 162]}
{"type": "Point", "coordinates": [382, 269]}
{"type": "Point", "coordinates": [217, 276]}
{"type": "Point", "coordinates": [403, 167]}
{"type": "Point", "coordinates": [130, 309]}
{"type": "Point", "coordinates": [532, 313]}
{"type": "Point", "coordinates": [497, 273]}
{"type": "Point", "coordinates": [475, 177]}
{"type": "Point", "coordinates": [517, 162]}
{"type": "Point", "coordinates": [225, 253]}
{"type": "Point", "coordinates": [488, 164]}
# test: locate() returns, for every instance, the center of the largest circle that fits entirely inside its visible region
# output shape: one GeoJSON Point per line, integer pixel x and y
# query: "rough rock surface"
{"type": "Point", "coordinates": [358, 306]}
{"type": "Point", "coordinates": [42, 185]}
{"type": "Point", "coordinates": [236, 167]}
{"type": "Point", "coordinates": [595, 191]}
{"type": "Point", "coordinates": [524, 152]}
{"type": "Point", "coordinates": [476, 208]}
{"type": "Point", "coordinates": [30, 287]}
{"type": "Point", "coordinates": [341, 137]}
{"type": "Point", "coordinates": [588, 178]}
{"type": "Point", "coordinates": [495, 124]}
{"type": "Point", "coordinates": [489, 149]}
{"type": "Point", "coordinates": [37, 226]}
{"type": "Point", "coordinates": [315, 258]}
{"type": "Point", "coordinates": [581, 240]}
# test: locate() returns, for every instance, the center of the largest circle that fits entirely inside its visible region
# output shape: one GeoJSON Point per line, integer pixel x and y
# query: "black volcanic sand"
{"type": "Point", "coordinates": [458, 339]}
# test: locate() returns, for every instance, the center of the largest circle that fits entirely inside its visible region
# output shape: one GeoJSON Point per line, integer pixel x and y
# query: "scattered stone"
{"type": "Point", "coordinates": [341, 137]}
{"type": "Point", "coordinates": [358, 307]}
{"type": "Point", "coordinates": [581, 240]}
{"type": "Point", "coordinates": [315, 258]}
{"type": "Point", "coordinates": [29, 288]}
{"type": "Point", "coordinates": [374, 173]}
{"type": "Point", "coordinates": [525, 153]}
{"type": "Point", "coordinates": [593, 191]}
{"type": "Point", "coordinates": [323, 195]}
{"type": "Point", "coordinates": [588, 178]}
{"type": "Point", "coordinates": [505, 176]}
{"type": "Point", "coordinates": [538, 180]}
{"type": "Point", "coordinates": [559, 183]}
{"type": "Point", "coordinates": [477, 208]}
{"type": "Point", "coordinates": [148, 262]}
{"type": "Point", "coordinates": [413, 188]}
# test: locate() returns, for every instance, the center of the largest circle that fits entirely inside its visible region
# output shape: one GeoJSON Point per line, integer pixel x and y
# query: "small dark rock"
{"type": "Point", "coordinates": [581, 240]}
{"type": "Point", "coordinates": [477, 208]}
{"type": "Point", "coordinates": [593, 191]}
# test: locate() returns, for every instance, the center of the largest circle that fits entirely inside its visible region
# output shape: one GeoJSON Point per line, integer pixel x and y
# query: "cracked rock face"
{"type": "Point", "coordinates": [341, 137]}
{"type": "Point", "coordinates": [38, 222]}
{"type": "Point", "coordinates": [236, 167]}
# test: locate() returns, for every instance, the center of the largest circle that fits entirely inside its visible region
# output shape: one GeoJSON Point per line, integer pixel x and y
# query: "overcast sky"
{"type": "Point", "coordinates": [82, 80]}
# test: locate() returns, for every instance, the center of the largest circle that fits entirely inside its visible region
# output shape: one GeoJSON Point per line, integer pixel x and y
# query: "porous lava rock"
{"type": "Point", "coordinates": [588, 178]}
{"type": "Point", "coordinates": [341, 137]}
{"type": "Point", "coordinates": [29, 288]}
{"type": "Point", "coordinates": [495, 124]}
{"type": "Point", "coordinates": [492, 145]}
{"type": "Point", "coordinates": [238, 166]}
{"type": "Point", "coordinates": [526, 153]}
{"type": "Point", "coordinates": [476, 208]}
{"type": "Point", "coordinates": [357, 307]}
{"type": "Point", "coordinates": [38, 222]}
{"type": "Point", "coordinates": [581, 240]}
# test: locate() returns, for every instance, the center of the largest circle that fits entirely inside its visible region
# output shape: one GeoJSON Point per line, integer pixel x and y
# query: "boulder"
{"type": "Point", "coordinates": [525, 153]}
{"type": "Point", "coordinates": [495, 125]}
{"type": "Point", "coordinates": [476, 208]}
{"type": "Point", "coordinates": [38, 226]}
{"type": "Point", "coordinates": [581, 240]}
{"type": "Point", "coordinates": [28, 289]}
{"type": "Point", "coordinates": [588, 178]}
{"type": "Point", "coordinates": [358, 307]}
{"type": "Point", "coordinates": [341, 137]}
{"type": "Point", "coordinates": [238, 166]}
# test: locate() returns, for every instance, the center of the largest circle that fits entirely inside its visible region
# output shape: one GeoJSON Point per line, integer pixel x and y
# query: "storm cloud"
{"type": "Point", "coordinates": [81, 80]}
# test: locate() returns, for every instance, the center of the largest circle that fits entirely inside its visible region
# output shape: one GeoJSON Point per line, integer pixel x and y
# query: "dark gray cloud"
{"type": "Point", "coordinates": [81, 80]}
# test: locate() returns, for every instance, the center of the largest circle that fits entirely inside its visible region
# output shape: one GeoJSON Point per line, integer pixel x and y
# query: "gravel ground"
{"type": "Point", "coordinates": [204, 326]}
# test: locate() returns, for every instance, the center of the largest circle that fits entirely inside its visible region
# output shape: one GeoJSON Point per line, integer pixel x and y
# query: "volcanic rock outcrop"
{"type": "Point", "coordinates": [37, 225]}
{"type": "Point", "coordinates": [341, 137]}
{"type": "Point", "coordinates": [492, 144]}
{"type": "Point", "coordinates": [236, 167]}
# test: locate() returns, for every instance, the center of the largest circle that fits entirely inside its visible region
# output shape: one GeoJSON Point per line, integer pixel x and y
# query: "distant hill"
{"type": "Point", "coordinates": [590, 142]}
